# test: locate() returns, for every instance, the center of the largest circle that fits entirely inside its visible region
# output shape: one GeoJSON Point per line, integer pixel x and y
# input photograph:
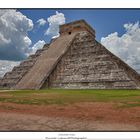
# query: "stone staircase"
{"type": "Point", "coordinates": [46, 62]}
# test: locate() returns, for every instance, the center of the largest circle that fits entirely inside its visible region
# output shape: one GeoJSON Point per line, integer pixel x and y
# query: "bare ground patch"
{"type": "Point", "coordinates": [88, 116]}
{"type": "Point", "coordinates": [22, 122]}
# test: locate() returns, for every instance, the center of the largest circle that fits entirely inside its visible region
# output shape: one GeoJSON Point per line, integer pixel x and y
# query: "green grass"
{"type": "Point", "coordinates": [128, 98]}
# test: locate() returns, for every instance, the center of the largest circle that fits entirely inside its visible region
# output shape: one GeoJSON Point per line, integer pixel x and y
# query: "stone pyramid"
{"type": "Point", "coordinates": [74, 60]}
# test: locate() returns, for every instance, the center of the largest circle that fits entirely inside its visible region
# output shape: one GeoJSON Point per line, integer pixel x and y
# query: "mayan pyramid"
{"type": "Point", "coordinates": [74, 60]}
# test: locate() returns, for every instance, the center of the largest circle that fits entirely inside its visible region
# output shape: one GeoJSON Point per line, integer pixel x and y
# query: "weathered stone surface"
{"type": "Point", "coordinates": [90, 65]}
{"type": "Point", "coordinates": [73, 60]}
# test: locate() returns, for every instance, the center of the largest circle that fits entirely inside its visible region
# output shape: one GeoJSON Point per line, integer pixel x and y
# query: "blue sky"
{"type": "Point", "coordinates": [103, 21]}
{"type": "Point", "coordinates": [23, 31]}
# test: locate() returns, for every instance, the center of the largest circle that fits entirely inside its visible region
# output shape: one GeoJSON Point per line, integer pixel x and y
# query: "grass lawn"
{"type": "Point", "coordinates": [129, 98]}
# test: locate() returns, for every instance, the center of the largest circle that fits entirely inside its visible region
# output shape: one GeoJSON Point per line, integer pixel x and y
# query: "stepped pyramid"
{"type": "Point", "coordinates": [74, 60]}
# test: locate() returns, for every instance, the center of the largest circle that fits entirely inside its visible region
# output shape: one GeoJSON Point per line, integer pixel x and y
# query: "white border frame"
{"type": "Point", "coordinates": [70, 4]}
{"type": "Point", "coordinates": [66, 135]}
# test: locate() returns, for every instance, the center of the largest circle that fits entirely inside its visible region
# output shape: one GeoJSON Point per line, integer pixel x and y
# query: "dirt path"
{"type": "Point", "coordinates": [21, 122]}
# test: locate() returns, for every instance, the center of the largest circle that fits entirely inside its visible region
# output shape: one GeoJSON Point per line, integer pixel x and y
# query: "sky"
{"type": "Point", "coordinates": [23, 31]}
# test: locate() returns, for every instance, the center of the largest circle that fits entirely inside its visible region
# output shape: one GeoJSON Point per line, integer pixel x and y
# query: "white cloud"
{"type": "Point", "coordinates": [36, 46]}
{"type": "Point", "coordinates": [54, 22]}
{"type": "Point", "coordinates": [14, 40]}
{"type": "Point", "coordinates": [6, 66]}
{"type": "Point", "coordinates": [41, 22]}
{"type": "Point", "coordinates": [127, 46]}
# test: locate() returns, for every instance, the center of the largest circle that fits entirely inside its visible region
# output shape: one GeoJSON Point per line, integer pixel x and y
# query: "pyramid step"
{"type": "Point", "coordinates": [27, 63]}
{"type": "Point", "coordinates": [33, 56]}
{"type": "Point", "coordinates": [14, 75]}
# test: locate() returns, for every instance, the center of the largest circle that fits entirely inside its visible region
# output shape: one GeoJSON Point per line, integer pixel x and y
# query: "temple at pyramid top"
{"type": "Point", "coordinates": [74, 60]}
{"type": "Point", "coordinates": [76, 26]}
